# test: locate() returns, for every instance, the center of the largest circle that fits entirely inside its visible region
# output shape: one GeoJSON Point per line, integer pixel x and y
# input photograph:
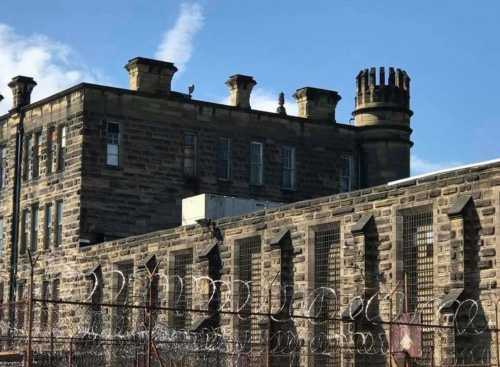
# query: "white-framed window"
{"type": "Point", "coordinates": [34, 227]}
{"type": "Point", "coordinates": [1, 236]}
{"type": "Point", "coordinates": [25, 227]}
{"type": "Point", "coordinates": [2, 167]}
{"type": "Point", "coordinates": [190, 154]}
{"type": "Point", "coordinates": [61, 153]}
{"type": "Point", "coordinates": [224, 158]}
{"type": "Point", "coordinates": [47, 226]}
{"type": "Point", "coordinates": [36, 154]}
{"type": "Point", "coordinates": [113, 144]}
{"type": "Point", "coordinates": [288, 167]}
{"type": "Point", "coordinates": [346, 173]}
{"type": "Point", "coordinates": [256, 163]}
{"type": "Point", "coordinates": [28, 155]}
{"type": "Point", "coordinates": [50, 150]}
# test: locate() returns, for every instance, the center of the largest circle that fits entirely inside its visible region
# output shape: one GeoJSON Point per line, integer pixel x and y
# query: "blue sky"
{"type": "Point", "coordinates": [450, 49]}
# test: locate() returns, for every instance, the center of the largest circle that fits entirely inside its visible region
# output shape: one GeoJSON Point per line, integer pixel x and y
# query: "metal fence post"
{"type": "Point", "coordinates": [29, 354]}
{"type": "Point", "coordinates": [51, 355]}
{"type": "Point", "coordinates": [496, 333]}
{"type": "Point", "coordinates": [70, 364]}
{"type": "Point", "coordinates": [390, 332]}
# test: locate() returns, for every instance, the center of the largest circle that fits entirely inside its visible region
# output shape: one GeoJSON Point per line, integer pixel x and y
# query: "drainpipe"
{"type": "Point", "coordinates": [16, 197]}
{"type": "Point", "coordinates": [21, 87]}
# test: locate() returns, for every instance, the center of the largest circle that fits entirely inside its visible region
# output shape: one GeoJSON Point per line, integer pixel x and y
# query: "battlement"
{"type": "Point", "coordinates": [376, 92]}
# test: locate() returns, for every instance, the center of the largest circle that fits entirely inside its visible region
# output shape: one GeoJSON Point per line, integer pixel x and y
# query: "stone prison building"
{"type": "Point", "coordinates": [359, 264]}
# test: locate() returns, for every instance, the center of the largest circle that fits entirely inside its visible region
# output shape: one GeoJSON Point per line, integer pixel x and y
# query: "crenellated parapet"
{"type": "Point", "coordinates": [382, 112]}
{"type": "Point", "coordinates": [391, 90]}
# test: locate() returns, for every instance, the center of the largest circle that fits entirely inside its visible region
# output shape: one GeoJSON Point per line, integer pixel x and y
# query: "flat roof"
{"type": "Point", "coordinates": [451, 169]}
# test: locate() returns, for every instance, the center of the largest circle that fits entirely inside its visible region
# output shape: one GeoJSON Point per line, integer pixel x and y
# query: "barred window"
{"type": "Point", "coordinates": [182, 274]}
{"type": "Point", "coordinates": [21, 305]}
{"type": "Point", "coordinates": [327, 305]}
{"type": "Point", "coordinates": [224, 159]}
{"type": "Point", "coordinates": [256, 163]}
{"type": "Point", "coordinates": [44, 309]}
{"type": "Point", "coordinates": [95, 309]}
{"type": "Point", "coordinates": [113, 144]}
{"type": "Point", "coordinates": [346, 172]}
{"type": "Point", "coordinates": [34, 228]}
{"type": "Point", "coordinates": [249, 271]}
{"type": "Point", "coordinates": [416, 231]}
{"type": "Point", "coordinates": [123, 291]}
{"type": "Point", "coordinates": [153, 290]}
{"type": "Point", "coordinates": [59, 223]}
{"type": "Point", "coordinates": [56, 285]}
{"type": "Point", "coordinates": [288, 167]}
{"type": "Point", "coordinates": [190, 154]}
{"type": "Point", "coordinates": [47, 227]}
{"type": "Point", "coordinates": [61, 154]}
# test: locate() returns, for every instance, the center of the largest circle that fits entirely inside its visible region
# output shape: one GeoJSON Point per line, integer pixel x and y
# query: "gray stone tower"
{"type": "Point", "coordinates": [382, 116]}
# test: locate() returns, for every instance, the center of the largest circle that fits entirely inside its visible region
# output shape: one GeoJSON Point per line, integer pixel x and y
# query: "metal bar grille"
{"type": "Point", "coordinates": [249, 267]}
{"type": "Point", "coordinates": [183, 273]}
{"type": "Point", "coordinates": [122, 321]}
{"type": "Point", "coordinates": [418, 269]}
{"type": "Point", "coordinates": [327, 274]}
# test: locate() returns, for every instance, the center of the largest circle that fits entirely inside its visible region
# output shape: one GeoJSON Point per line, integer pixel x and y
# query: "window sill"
{"type": "Point", "coordinates": [113, 168]}
{"type": "Point", "coordinates": [55, 173]}
{"type": "Point", "coordinates": [288, 189]}
{"type": "Point", "coordinates": [31, 180]}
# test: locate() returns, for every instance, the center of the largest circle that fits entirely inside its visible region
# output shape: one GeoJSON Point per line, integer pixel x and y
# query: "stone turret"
{"type": "Point", "coordinates": [382, 112]}
{"type": "Point", "coordinates": [382, 101]}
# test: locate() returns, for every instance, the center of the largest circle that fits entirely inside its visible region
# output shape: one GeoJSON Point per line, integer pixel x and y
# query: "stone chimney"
{"type": "Point", "coordinates": [240, 88]}
{"type": "Point", "coordinates": [150, 76]}
{"type": "Point", "coordinates": [317, 104]}
{"type": "Point", "coordinates": [21, 87]}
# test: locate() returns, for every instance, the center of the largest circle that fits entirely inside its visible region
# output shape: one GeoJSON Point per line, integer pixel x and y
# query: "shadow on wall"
{"type": "Point", "coordinates": [472, 343]}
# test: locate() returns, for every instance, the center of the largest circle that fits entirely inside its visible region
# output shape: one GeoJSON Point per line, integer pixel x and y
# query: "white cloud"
{"type": "Point", "coordinates": [420, 166]}
{"type": "Point", "coordinates": [177, 43]}
{"type": "Point", "coordinates": [50, 63]}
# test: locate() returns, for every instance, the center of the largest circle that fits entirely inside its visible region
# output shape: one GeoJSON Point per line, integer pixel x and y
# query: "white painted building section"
{"type": "Point", "coordinates": [211, 206]}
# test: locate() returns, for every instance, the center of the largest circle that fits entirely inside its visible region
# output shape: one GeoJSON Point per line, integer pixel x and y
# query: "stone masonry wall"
{"type": "Point", "coordinates": [464, 252]}
{"type": "Point", "coordinates": [47, 188]}
{"type": "Point", "coordinates": [145, 192]}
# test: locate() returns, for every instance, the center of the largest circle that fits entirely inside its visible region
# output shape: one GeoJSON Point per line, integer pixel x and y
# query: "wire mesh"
{"type": "Point", "coordinates": [418, 272]}
{"type": "Point", "coordinates": [182, 272]}
{"type": "Point", "coordinates": [326, 277]}
{"type": "Point", "coordinates": [249, 269]}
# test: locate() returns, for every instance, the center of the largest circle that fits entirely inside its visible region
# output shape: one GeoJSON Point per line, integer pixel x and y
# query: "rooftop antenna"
{"type": "Point", "coordinates": [191, 90]}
